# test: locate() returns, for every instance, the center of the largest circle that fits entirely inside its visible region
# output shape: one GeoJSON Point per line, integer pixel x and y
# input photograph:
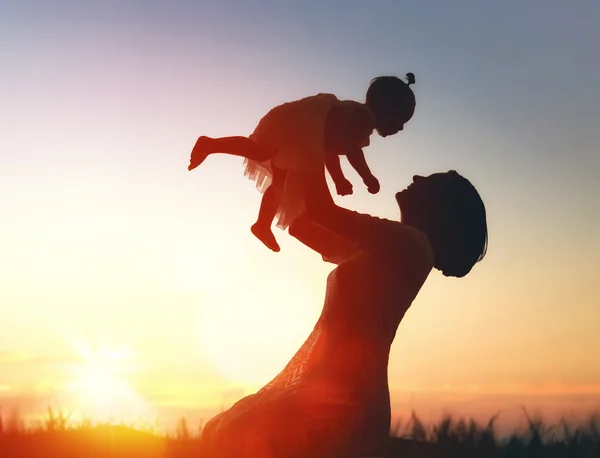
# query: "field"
{"type": "Point", "coordinates": [449, 438]}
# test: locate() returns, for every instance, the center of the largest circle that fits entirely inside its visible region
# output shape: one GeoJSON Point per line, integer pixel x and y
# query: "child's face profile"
{"type": "Point", "coordinates": [390, 124]}
{"type": "Point", "coordinates": [390, 119]}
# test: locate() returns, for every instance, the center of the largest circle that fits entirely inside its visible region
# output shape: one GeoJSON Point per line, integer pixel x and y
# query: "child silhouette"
{"type": "Point", "coordinates": [295, 140]}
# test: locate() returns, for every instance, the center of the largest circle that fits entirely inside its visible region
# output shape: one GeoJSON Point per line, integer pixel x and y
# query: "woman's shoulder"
{"type": "Point", "coordinates": [421, 245]}
{"type": "Point", "coordinates": [409, 236]}
{"type": "Point", "coordinates": [399, 241]}
{"type": "Point", "coordinates": [406, 249]}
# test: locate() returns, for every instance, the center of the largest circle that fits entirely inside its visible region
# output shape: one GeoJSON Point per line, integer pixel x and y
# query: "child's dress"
{"type": "Point", "coordinates": [296, 131]}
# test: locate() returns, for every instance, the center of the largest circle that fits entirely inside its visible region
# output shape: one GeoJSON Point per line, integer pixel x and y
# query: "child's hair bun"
{"type": "Point", "coordinates": [410, 78]}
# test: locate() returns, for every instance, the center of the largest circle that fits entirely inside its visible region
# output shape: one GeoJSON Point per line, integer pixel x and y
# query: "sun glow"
{"type": "Point", "coordinates": [250, 332]}
{"type": "Point", "coordinates": [99, 390]}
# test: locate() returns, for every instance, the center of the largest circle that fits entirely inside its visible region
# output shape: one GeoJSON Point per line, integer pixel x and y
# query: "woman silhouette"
{"type": "Point", "coordinates": [332, 399]}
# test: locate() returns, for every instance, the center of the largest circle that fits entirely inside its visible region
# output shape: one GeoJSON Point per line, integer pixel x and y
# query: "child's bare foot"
{"type": "Point", "coordinates": [200, 152]}
{"type": "Point", "coordinates": [265, 235]}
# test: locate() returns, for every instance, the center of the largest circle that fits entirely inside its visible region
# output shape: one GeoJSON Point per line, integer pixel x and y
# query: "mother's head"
{"type": "Point", "coordinates": [448, 209]}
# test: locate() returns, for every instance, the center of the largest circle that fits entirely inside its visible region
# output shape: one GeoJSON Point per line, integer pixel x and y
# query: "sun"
{"type": "Point", "coordinates": [98, 378]}
{"type": "Point", "coordinates": [99, 390]}
{"type": "Point", "coordinates": [249, 332]}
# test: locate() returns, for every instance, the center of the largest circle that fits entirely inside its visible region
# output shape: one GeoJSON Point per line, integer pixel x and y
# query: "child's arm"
{"type": "Point", "coordinates": [342, 185]}
{"type": "Point", "coordinates": [357, 160]}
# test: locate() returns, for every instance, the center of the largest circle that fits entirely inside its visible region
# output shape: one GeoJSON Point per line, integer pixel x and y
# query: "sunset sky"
{"type": "Point", "coordinates": [130, 287]}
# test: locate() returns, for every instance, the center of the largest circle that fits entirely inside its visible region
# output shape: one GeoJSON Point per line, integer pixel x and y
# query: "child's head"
{"type": "Point", "coordinates": [392, 102]}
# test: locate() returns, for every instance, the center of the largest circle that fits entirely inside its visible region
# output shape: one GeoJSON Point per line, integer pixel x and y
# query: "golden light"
{"type": "Point", "coordinates": [198, 266]}
{"type": "Point", "coordinates": [249, 332]}
{"type": "Point", "coordinates": [99, 390]}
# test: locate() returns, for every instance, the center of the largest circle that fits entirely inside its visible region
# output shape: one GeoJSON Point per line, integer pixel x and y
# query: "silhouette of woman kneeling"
{"type": "Point", "coordinates": [332, 399]}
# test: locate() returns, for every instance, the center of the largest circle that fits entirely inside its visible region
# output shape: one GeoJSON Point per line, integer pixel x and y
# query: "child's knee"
{"type": "Point", "coordinates": [296, 226]}
{"type": "Point", "coordinates": [293, 228]}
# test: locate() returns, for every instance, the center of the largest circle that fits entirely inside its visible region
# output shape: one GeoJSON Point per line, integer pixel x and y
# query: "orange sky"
{"type": "Point", "coordinates": [128, 283]}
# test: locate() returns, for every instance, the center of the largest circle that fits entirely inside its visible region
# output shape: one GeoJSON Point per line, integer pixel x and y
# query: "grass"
{"type": "Point", "coordinates": [59, 437]}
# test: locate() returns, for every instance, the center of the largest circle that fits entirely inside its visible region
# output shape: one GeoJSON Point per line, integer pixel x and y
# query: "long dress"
{"type": "Point", "coordinates": [332, 398]}
{"type": "Point", "coordinates": [296, 132]}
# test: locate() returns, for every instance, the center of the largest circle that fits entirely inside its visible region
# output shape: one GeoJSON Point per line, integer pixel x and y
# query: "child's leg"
{"type": "Point", "coordinates": [236, 146]}
{"type": "Point", "coordinates": [268, 209]}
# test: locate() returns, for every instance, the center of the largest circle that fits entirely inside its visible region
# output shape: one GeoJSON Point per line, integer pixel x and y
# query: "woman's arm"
{"type": "Point", "coordinates": [332, 247]}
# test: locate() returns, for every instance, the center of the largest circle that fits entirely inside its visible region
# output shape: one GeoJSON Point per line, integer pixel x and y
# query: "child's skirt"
{"type": "Point", "coordinates": [296, 132]}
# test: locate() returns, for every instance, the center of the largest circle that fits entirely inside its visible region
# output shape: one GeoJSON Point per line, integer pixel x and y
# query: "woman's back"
{"type": "Point", "coordinates": [369, 293]}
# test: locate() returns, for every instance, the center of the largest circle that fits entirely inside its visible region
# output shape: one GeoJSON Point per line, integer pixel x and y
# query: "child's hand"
{"type": "Point", "coordinates": [343, 187]}
{"type": "Point", "coordinates": [372, 184]}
